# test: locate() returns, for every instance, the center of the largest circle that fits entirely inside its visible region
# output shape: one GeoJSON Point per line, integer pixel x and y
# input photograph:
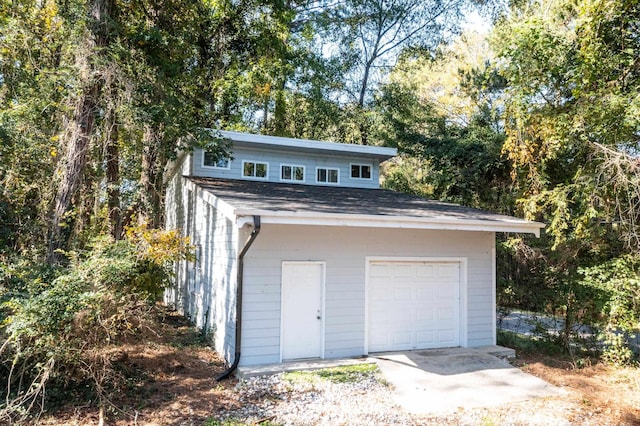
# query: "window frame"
{"type": "Point", "coordinates": [255, 163]}
{"type": "Point", "coordinates": [327, 182]}
{"type": "Point", "coordinates": [207, 166]}
{"type": "Point", "coordinates": [360, 165]}
{"type": "Point", "coordinates": [293, 167]}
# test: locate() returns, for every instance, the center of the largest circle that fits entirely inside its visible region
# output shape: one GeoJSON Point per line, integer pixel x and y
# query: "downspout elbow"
{"type": "Point", "coordinates": [239, 290]}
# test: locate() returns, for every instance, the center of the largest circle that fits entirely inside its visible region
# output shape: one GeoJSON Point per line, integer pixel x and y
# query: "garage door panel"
{"type": "Point", "coordinates": [379, 341]}
{"type": "Point", "coordinates": [403, 317]}
{"type": "Point", "coordinates": [402, 338]}
{"type": "Point", "coordinates": [425, 271]}
{"type": "Point", "coordinates": [425, 315]}
{"type": "Point", "coordinates": [446, 336]}
{"type": "Point", "coordinates": [424, 294]}
{"type": "Point", "coordinates": [380, 293]}
{"type": "Point", "coordinates": [425, 338]}
{"type": "Point", "coordinates": [448, 271]}
{"type": "Point", "coordinates": [379, 271]}
{"type": "Point", "coordinates": [402, 293]}
{"type": "Point", "coordinates": [424, 309]}
{"type": "Point", "coordinates": [402, 271]}
{"type": "Point", "coordinates": [447, 292]}
{"type": "Point", "coordinates": [445, 314]}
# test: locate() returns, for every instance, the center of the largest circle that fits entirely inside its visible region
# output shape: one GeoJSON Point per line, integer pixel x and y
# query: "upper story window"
{"type": "Point", "coordinates": [255, 169]}
{"type": "Point", "coordinates": [327, 175]}
{"type": "Point", "coordinates": [210, 159]}
{"type": "Point", "coordinates": [292, 173]}
{"type": "Point", "coordinates": [360, 171]}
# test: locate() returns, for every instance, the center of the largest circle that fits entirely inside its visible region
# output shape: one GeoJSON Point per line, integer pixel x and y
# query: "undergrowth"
{"type": "Point", "coordinates": [60, 329]}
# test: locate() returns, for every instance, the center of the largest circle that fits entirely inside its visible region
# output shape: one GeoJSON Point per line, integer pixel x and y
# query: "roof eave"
{"type": "Point", "coordinates": [379, 152]}
{"type": "Point", "coordinates": [382, 221]}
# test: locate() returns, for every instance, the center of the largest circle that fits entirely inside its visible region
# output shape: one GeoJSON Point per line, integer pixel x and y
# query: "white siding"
{"type": "Point", "coordinates": [176, 206]}
{"type": "Point", "coordinates": [345, 250]}
{"type": "Point", "coordinates": [275, 158]}
{"type": "Point", "coordinates": [205, 289]}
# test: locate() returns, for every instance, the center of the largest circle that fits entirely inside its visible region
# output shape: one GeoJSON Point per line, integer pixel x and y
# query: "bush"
{"type": "Point", "coordinates": [58, 333]}
{"type": "Point", "coordinates": [619, 282]}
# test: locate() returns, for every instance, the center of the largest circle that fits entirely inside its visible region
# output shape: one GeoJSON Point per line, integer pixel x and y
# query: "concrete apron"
{"type": "Point", "coordinates": [443, 380]}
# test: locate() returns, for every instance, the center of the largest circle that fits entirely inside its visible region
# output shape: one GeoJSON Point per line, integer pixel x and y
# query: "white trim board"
{"type": "Point", "coordinates": [381, 221]}
{"type": "Point", "coordinates": [382, 153]}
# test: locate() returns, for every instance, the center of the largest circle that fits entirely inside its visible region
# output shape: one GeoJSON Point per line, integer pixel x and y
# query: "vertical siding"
{"type": "Point", "coordinates": [345, 250]}
{"type": "Point", "coordinates": [275, 158]}
{"type": "Point", "coordinates": [204, 290]}
{"type": "Point", "coordinates": [175, 218]}
{"type": "Point", "coordinates": [213, 292]}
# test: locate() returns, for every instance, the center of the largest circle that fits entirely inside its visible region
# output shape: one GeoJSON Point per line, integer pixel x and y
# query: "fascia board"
{"type": "Point", "coordinates": [377, 221]}
{"type": "Point", "coordinates": [376, 151]}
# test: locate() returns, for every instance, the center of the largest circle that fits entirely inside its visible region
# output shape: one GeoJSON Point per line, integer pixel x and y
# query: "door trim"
{"type": "Point", "coordinates": [462, 320]}
{"type": "Point", "coordinates": [323, 266]}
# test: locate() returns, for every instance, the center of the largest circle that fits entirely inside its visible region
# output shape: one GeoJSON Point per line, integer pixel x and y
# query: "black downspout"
{"type": "Point", "coordinates": [252, 237]}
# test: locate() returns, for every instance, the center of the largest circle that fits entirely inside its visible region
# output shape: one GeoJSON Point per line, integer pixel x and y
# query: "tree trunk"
{"type": "Point", "coordinates": [112, 159]}
{"type": "Point", "coordinates": [72, 167]}
{"type": "Point", "coordinates": [151, 178]}
{"type": "Point", "coordinates": [363, 122]}
{"type": "Point", "coordinates": [279, 113]}
{"type": "Point", "coordinates": [79, 129]}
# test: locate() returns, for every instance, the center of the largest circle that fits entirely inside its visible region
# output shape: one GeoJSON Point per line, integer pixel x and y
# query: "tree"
{"type": "Point", "coordinates": [573, 97]}
{"type": "Point", "coordinates": [378, 30]}
{"type": "Point", "coordinates": [79, 122]}
{"type": "Point", "coordinates": [443, 114]}
{"type": "Point", "coordinates": [370, 35]}
{"type": "Point", "coordinates": [97, 98]}
{"type": "Point", "coordinates": [572, 136]}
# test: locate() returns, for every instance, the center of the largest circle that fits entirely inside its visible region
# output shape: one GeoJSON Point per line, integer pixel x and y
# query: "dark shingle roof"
{"type": "Point", "coordinates": [246, 195]}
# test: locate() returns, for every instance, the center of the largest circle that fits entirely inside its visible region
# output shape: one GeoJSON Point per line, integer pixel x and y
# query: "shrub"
{"type": "Point", "coordinates": [58, 333]}
{"type": "Point", "coordinates": [618, 280]}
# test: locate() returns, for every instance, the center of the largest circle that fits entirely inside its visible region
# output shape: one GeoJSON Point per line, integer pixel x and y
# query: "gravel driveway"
{"type": "Point", "coordinates": [307, 399]}
{"type": "Point", "coordinates": [366, 401]}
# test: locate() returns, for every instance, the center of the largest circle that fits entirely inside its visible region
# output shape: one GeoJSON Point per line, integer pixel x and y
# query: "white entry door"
{"type": "Point", "coordinates": [302, 309]}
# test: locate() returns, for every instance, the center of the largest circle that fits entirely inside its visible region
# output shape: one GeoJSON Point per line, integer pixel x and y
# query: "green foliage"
{"type": "Point", "coordinates": [58, 332]}
{"type": "Point", "coordinates": [616, 350]}
{"type": "Point", "coordinates": [570, 114]}
{"type": "Point", "coordinates": [443, 159]}
{"type": "Point", "coordinates": [618, 281]}
{"type": "Point", "coordinates": [571, 137]}
{"type": "Point", "coordinates": [532, 276]}
{"type": "Point", "coordinates": [527, 344]}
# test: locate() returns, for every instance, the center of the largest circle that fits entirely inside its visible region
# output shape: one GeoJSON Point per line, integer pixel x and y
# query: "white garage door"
{"type": "Point", "coordinates": [413, 305]}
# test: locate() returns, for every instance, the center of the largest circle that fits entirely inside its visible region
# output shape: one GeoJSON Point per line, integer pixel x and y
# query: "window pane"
{"type": "Point", "coordinates": [333, 175]}
{"type": "Point", "coordinates": [299, 173]}
{"type": "Point", "coordinates": [208, 158]}
{"type": "Point", "coordinates": [322, 175]}
{"type": "Point", "coordinates": [365, 172]}
{"type": "Point", "coordinates": [248, 169]}
{"type": "Point", "coordinates": [223, 163]}
{"type": "Point", "coordinates": [261, 170]}
{"type": "Point", "coordinates": [355, 171]}
{"type": "Point", "coordinates": [286, 172]}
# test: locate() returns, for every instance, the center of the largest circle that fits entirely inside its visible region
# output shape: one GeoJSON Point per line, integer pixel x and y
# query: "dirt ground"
{"type": "Point", "coordinates": [171, 383]}
{"type": "Point", "coordinates": [599, 394]}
